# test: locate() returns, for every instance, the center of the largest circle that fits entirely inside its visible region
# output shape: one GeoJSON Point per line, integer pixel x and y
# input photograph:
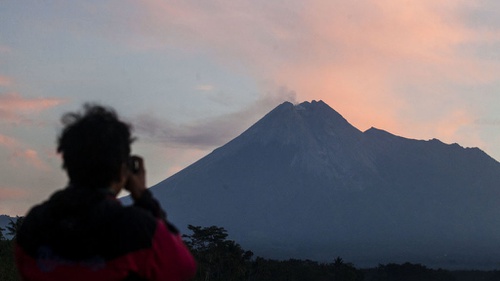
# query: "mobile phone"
{"type": "Point", "coordinates": [133, 164]}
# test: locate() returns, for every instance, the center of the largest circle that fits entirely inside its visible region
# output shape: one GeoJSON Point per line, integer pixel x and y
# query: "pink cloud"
{"type": "Point", "coordinates": [361, 59]}
{"type": "Point", "coordinates": [12, 193]}
{"type": "Point", "coordinates": [183, 159]}
{"type": "Point", "coordinates": [449, 127]}
{"type": "Point", "coordinates": [379, 63]}
{"type": "Point", "coordinates": [14, 107]}
{"type": "Point", "coordinates": [15, 102]}
{"type": "Point", "coordinates": [19, 153]}
{"type": "Point", "coordinates": [5, 49]}
{"type": "Point", "coordinates": [205, 88]}
{"type": "Point", "coordinates": [30, 157]}
{"type": "Point", "coordinates": [13, 200]}
{"type": "Point", "coordinates": [8, 142]}
{"type": "Point", "coordinates": [5, 81]}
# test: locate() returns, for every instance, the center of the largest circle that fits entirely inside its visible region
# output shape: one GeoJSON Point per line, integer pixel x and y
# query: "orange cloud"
{"type": "Point", "coordinates": [367, 58]}
{"type": "Point", "coordinates": [379, 63]}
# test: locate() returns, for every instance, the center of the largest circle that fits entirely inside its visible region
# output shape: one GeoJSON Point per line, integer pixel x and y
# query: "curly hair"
{"type": "Point", "coordinates": [94, 145]}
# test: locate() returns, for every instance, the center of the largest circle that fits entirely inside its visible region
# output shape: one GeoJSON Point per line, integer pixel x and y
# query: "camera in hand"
{"type": "Point", "coordinates": [133, 164]}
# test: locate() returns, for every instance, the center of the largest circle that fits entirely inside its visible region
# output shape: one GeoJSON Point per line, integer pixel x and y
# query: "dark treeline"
{"type": "Point", "coordinates": [221, 259]}
{"type": "Point", "coordinates": [8, 270]}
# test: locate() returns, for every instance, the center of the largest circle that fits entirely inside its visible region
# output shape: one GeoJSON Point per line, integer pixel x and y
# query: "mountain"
{"type": "Point", "coordinates": [304, 183]}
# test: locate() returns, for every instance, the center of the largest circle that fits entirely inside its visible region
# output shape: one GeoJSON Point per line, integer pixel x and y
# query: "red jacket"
{"type": "Point", "coordinates": [85, 234]}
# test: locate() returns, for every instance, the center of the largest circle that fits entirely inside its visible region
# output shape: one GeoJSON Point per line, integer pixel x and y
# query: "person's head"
{"type": "Point", "coordinates": [94, 145]}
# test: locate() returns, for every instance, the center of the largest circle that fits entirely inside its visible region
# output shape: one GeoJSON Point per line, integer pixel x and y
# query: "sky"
{"type": "Point", "coordinates": [191, 75]}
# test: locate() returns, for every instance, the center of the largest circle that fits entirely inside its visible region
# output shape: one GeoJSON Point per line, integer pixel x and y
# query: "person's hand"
{"type": "Point", "coordinates": [136, 182]}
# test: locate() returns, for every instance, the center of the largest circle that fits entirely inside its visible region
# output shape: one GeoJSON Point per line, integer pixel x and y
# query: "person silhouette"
{"type": "Point", "coordinates": [83, 232]}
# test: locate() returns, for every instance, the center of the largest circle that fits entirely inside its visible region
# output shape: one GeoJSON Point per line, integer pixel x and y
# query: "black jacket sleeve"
{"type": "Point", "coordinates": [150, 204]}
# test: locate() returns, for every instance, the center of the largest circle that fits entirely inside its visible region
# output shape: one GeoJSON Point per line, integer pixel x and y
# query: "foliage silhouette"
{"type": "Point", "coordinates": [303, 270]}
{"type": "Point", "coordinates": [14, 226]}
{"type": "Point", "coordinates": [2, 237]}
{"type": "Point", "coordinates": [8, 271]}
{"type": "Point", "coordinates": [217, 257]}
{"type": "Point", "coordinates": [222, 259]}
{"type": "Point", "coordinates": [411, 272]}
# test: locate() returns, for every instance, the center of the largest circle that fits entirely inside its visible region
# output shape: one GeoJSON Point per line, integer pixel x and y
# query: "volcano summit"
{"type": "Point", "coordinates": [304, 183]}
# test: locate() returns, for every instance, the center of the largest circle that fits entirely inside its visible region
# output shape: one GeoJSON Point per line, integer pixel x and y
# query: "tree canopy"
{"type": "Point", "coordinates": [217, 257]}
{"type": "Point", "coordinates": [2, 237]}
{"type": "Point", "coordinates": [14, 226]}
